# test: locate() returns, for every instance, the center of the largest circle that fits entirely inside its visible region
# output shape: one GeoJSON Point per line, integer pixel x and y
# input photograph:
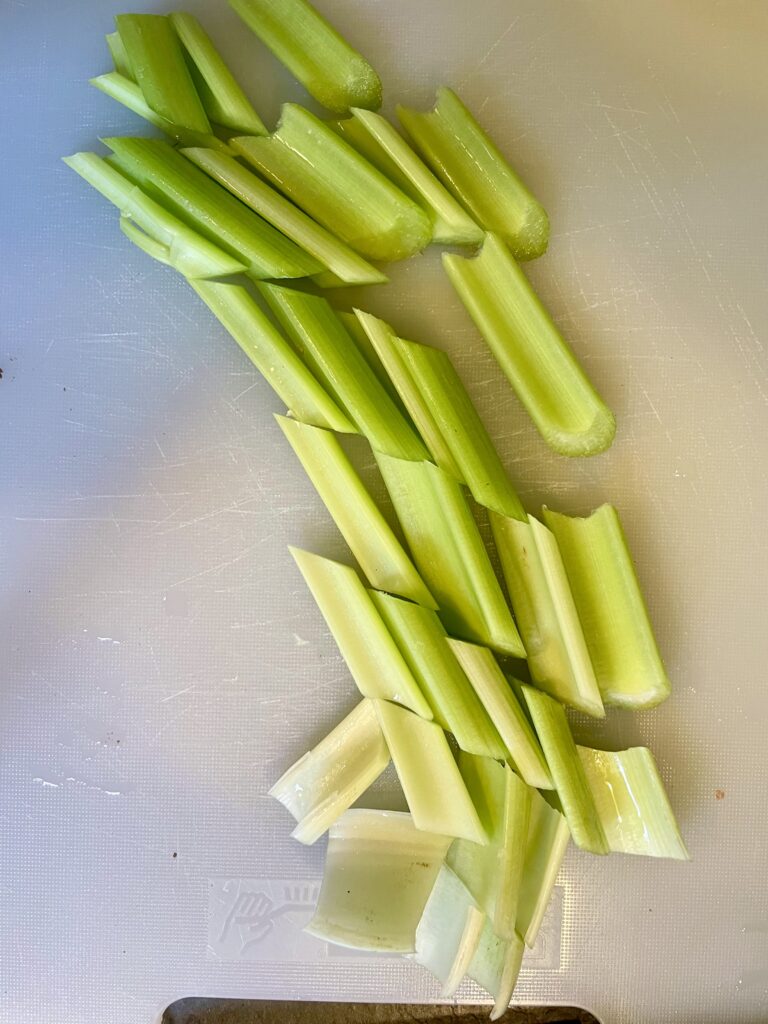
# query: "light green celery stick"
{"type": "Point", "coordinates": [619, 635]}
{"type": "Point", "coordinates": [449, 553]}
{"type": "Point", "coordinates": [449, 931]}
{"type": "Point", "coordinates": [370, 537]}
{"type": "Point", "coordinates": [547, 841]}
{"type": "Point", "coordinates": [421, 637]}
{"type": "Point", "coordinates": [492, 873]}
{"type": "Point", "coordinates": [379, 872]}
{"type": "Point", "coordinates": [358, 334]}
{"type": "Point", "coordinates": [331, 182]}
{"type": "Point", "coordinates": [496, 966]}
{"type": "Point", "coordinates": [383, 146]}
{"type": "Point", "coordinates": [157, 61]}
{"type": "Point", "coordinates": [282, 214]}
{"type": "Point", "coordinates": [540, 366]}
{"type": "Point", "coordinates": [372, 656]}
{"type": "Point", "coordinates": [272, 355]}
{"type": "Point", "coordinates": [469, 164]}
{"type": "Point", "coordinates": [567, 771]}
{"type": "Point", "coordinates": [224, 101]}
{"type": "Point", "coordinates": [632, 804]}
{"type": "Point", "coordinates": [328, 779]}
{"type": "Point", "coordinates": [505, 712]}
{"type": "Point", "coordinates": [545, 613]}
{"type": "Point", "coordinates": [433, 786]}
{"type": "Point", "coordinates": [321, 340]}
{"type": "Point", "coordinates": [119, 56]}
{"type": "Point", "coordinates": [314, 52]}
{"type": "Point", "coordinates": [174, 242]}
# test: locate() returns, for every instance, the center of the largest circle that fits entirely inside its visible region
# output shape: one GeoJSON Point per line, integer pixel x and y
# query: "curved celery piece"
{"type": "Point", "coordinates": [321, 340]}
{"type": "Point", "coordinates": [504, 710]}
{"type": "Point", "coordinates": [371, 539]}
{"type": "Point", "coordinates": [496, 966]}
{"type": "Point", "coordinates": [546, 843]}
{"type": "Point", "coordinates": [433, 786]}
{"type": "Point", "coordinates": [331, 182]}
{"type": "Point", "coordinates": [448, 550]}
{"type": "Point", "coordinates": [470, 165]}
{"type": "Point", "coordinates": [538, 363]}
{"type": "Point", "coordinates": [421, 637]}
{"type": "Point", "coordinates": [379, 872]}
{"type": "Point", "coordinates": [359, 335]}
{"type": "Point", "coordinates": [568, 774]}
{"type": "Point", "coordinates": [372, 656]}
{"type": "Point", "coordinates": [449, 931]}
{"type": "Point", "coordinates": [314, 52]}
{"type": "Point", "coordinates": [619, 635]}
{"type": "Point", "coordinates": [119, 56]}
{"type": "Point", "coordinates": [271, 354]}
{"type": "Point", "coordinates": [545, 613]}
{"type": "Point", "coordinates": [631, 803]}
{"type": "Point", "coordinates": [328, 779]}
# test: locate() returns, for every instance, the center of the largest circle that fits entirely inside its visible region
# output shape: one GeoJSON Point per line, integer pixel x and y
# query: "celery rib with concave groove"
{"type": "Point", "coordinates": [359, 335]}
{"type": "Point", "coordinates": [469, 163]}
{"type": "Point", "coordinates": [119, 56]}
{"type": "Point", "coordinates": [331, 182]}
{"type": "Point", "coordinates": [538, 363]}
{"type": "Point", "coordinates": [449, 931]}
{"type": "Point", "coordinates": [546, 843]}
{"type": "Point", "coordinates": [618, 631]}
{"type": "Point", "coordinates": [496, 967]}
{"type": "Point", "coordinates": [331, 71]}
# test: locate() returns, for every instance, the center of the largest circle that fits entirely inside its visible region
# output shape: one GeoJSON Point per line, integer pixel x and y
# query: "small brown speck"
{"type": "Point", "coordinates": [719, 794]}
{"type": "Point", "coordinates": [1, 374]}
{"type": "Point", "coordinates": [174, 855]}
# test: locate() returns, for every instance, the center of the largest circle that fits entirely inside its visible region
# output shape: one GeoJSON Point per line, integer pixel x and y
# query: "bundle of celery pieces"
{"type": "Point", "coordinates": [494, 782]}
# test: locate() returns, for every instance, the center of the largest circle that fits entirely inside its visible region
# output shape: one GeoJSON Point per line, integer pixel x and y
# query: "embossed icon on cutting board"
{"type": "Point", "coordinates": [253, 914]}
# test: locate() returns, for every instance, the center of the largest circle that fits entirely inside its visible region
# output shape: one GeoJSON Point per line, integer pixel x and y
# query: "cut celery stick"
{"type": "Point", "coordinates": [632, 804]}
{"type": "Point", "coordinates": [224, 101]}
{"type": "Point", "coordinates": [174, 242]}
{"type": "Point", "coordinates": [379, 872]}
{"type": "Point", "coordinates": [328, 779]}
{"type": "Point", "coordinates": [547, 841]}
{"type": "Point", "coordinates": [191, 195]}
{"type": "Point", "coordinates": [369, 536]}
{"type": "Point", "coordinates": [567, 771]}
{"type": "Point", "coordinates": [314, 52]}
{"type": "Point", "coordinates": [619, 635]}
{"type": "Point", "coordinates": [372, 656]}
{"type": "Point", "coordinates": [545, 613]}
{"type": "Point", "coordinates": [499, 700]}
{"type": "Point", "coordinates": [421, 637]}
{"type": "Point", "coordinates": [157, 61]}
{"type": "Point", "coordinates": [331, 182]}
{"type": "Point", "coordinates": [470, 165]}
{"type": "Point", "coordinates": [540, 366]}
{"type": "Point", "coordinates": [358, 334]}
{"type": "Point", "coordinates": [432, 783]}
{"type": "Point", "coordinates": [449, 931]}
{"type": "Point", "coordinates": [271, 354]}
{"type": "Point", "coordinates": [449, 553]}
{"type": "Point", "coordinates": [323, 343]}
{"type": "Point", "coordinates": [282, 214]}
{"type": "Point", "coordinates": [119, 56]}
{"type": "Point", "coordinates": [496, 966]}
{"type": "Point", "coordinates": [383, 146]}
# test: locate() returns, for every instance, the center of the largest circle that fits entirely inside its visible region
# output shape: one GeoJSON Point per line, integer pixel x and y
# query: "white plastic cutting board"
{"type": "Point", "coordinates": [161, 659]}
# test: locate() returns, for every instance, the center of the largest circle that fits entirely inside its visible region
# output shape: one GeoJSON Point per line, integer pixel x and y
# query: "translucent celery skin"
{"type": "Point", "coordinates": [314, 52]}
{"type": "Point", "coordinates": [449, 930]}
{"type": "Point", "coordinates": [535, 358]}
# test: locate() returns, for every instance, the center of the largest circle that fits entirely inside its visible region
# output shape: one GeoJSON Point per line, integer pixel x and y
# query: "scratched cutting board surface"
{"type": "Point", "coordinates": [162, 661]}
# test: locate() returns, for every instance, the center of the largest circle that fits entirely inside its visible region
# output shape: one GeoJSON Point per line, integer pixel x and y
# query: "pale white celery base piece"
{"type": "Point", "coordinates": [496, 966]}
{"type": "Point", "coordinates": [449, 931]}
{"type": "Point", "coordinates": [546, 843]}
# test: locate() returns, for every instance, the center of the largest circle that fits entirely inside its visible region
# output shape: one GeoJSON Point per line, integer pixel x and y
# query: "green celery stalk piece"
{"type": "Point", "coordinates": [545, 613]}
{"type": "Point", "coordinates": [327, 780]}
{"type": "Point", "coordinates": [224, 101]}
{"type": "Point", "coordinates": [369, 536]}
{"type": "Point", "coordinates": [157, 61]}
{"type": "Point", "coordinates": [504, 710]}
{"type": "Point", "coordinates": [468, 162]}
{"type": "Point", "coordinates": [547, 841]}
{"type": "Point", "coordinates": [449, 931]}
{"type": "Point", "coordinates": [540, 366]}
{"type": "Point", "coordinates": [271, 354]}
{"type": "Point", "coordinates": [631, 802]}
{"type": "Point", "coordinates": [331, 71]}
{"type": "Point", "coordinates": [434, 789]}
{"type": "Point", "coordinates": [119, 56]}
{"type": "Point", "coordinates": [330, 181]}
{"type": "Point", "coordinates": [372, 656]}
{"type": "Point", "coordinates": [191, 195]}
{"type": "Point", "coordinates": [449, 553]}
{"type": "Point", "coordinates": [172, 241]}
{"type": "Point", "coordinates": [568, 773]}
{"type": "Point", "coordinates": [323, 343]}
{"type": "Point", "coordinates": [379, 872]}
{"type": "Point", "coordinates": [359, 335]}
{"type": "Point", "coordinates": [420, 635]}
{"type": "Point", "coordinates": [334, 254]}
{"type": "Point", "coordinates": [618, 631]}
{"type": "Point", "coordinates": [496, 966]}
{"type": "Point", "coordinates": [493, 873]}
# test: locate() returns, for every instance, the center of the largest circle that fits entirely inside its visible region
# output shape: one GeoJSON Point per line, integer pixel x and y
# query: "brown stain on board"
{"type": "Point", "coordinates": [719, 794]}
